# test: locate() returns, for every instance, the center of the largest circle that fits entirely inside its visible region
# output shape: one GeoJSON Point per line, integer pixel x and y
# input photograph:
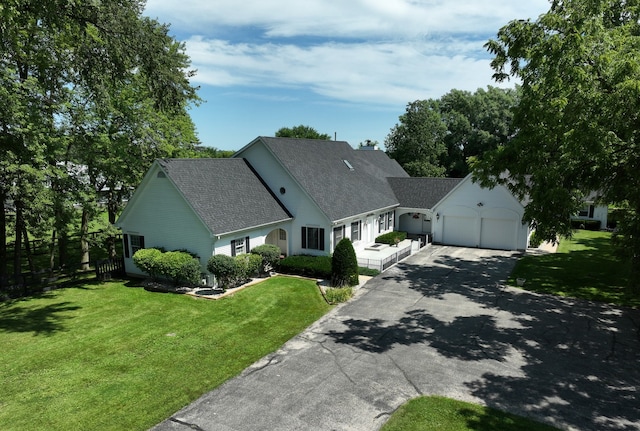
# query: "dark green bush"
{"type": "Point", "coordinates": [534, 240]}
{"type": "Point", "coordinates": [308, 266]}
{"type": "Point", "coordinates": [223, 267]}
{"type": "Point", "coordinates": [391, 238]}
{"type": "Point", "coordinates": [270, 255]}
{"type": "Point", "coordinates": [147, 260]}
{"type": "Point", "coordinates": [247, 266]}
{"type": "Point", "coordinates": [585, 224]}
{"type": "Point", "coordinates": [344, 265]}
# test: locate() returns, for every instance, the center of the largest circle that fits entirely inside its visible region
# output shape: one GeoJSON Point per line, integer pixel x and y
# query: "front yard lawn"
{"type": "Point", "coordinates": [584, 266]}
{"type": "Point", "coordinates": [113, 357]}
{"type": "Point", "coordinates": [445, 414]}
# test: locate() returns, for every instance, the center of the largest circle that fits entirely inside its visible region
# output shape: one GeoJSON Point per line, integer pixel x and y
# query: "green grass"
{"type": "Point", "coordinates": [114, 356]}
{"type": "Point", "coordinates": [445, 414]}
{"type": "Point", "coordinates": [584, 266]}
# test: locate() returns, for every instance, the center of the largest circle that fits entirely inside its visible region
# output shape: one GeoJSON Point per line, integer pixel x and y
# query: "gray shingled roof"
{"type": "Point", "coordinates": [422, 192]}
{"type": "Point", "coordinates": [227, 194]}
{"type": "Point", "coordinates": [338, 190]}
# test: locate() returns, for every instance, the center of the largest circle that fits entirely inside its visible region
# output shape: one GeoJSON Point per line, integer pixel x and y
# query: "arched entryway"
{"type": "Point", "coordinates": [279, 237]}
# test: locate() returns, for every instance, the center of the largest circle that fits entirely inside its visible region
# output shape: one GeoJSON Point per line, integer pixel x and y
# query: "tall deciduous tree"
{"type": "Point", "coordinates": [417, 141]}
{"type": "Point", "coordinates": [83, 83]}
{"type": "Point", "coordinates": [301, 131]}
{"type": "Point", "coordinates": [579, 116]}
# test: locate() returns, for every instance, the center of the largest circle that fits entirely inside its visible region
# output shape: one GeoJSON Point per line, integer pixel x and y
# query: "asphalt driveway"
{"type": "Point", "coordinates": [441, 322]}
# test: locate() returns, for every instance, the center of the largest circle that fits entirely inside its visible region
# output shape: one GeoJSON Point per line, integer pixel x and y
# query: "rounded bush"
{"type": "Point", "coordinates": [247, 265]}
{"type": "Point", "coordinates": [344, 265]}
{"type": "Point", "coordinates": [148, 260]}
{"type": "Point", "coordinates": [270, 255]}
{"type": "Point", "coordinates": [223, 267]}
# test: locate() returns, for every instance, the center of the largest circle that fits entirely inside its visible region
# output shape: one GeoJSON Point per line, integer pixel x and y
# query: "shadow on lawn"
{"type": "Point", "coordinates": [41, 320]}
{"type": "Point", "coordinates": [578, 360]}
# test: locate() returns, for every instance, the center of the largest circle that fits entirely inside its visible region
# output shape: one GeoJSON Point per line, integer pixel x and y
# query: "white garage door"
{"type": "Point", "coordinates": [498, 234]}
{"type": "Point", "coordinates": [459, 231]}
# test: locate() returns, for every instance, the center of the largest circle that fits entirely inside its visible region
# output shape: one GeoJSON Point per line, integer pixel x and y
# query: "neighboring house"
{"type": "Point", "coordinates": [305, 196]}
{"type": "Point", "coordinates": [593, 211]}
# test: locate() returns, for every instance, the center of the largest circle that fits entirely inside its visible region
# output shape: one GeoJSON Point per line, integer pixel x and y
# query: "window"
{"type": "Point", "coordinates": [381, 220]}
{"type": "Point", "coordinates": [136, 242]}
{"type": "Point", "coordinates": [313, 238]}
{"type": "Point", "coordinates": [338, 234]}
{"type": "Point", "coordinates": [240, 246]}
{"type": "Point", "coordinates": [355, 231]}
{"type": "Point", "coordinates": [282, 234]}
{"type": "Point", "coordinates": [389, 220]}
{"type": "Point", "coordinates": [385, 221]}
{"type": "Point", "coordinates": [586, 212]}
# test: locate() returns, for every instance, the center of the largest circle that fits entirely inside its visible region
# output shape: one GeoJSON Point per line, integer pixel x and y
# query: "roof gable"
{"type": "Point", "coordinates": [341, 181]}
{"type": "Point", "coordinates": [422, 192]}
{"type": "Point", "coordinates": [227, 194]}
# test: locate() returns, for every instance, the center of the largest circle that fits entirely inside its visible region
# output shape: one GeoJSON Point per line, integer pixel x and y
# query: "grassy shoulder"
{"type": "Point", "coordinates": [110, 356]}
{"type": "Point", "coordinates": [445, 414]}
{"type": "Point", "coordinates": [585, 266]}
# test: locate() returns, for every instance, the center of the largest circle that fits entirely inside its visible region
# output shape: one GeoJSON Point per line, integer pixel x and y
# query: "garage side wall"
{"type": "Point", "coordinates": [472, 216]}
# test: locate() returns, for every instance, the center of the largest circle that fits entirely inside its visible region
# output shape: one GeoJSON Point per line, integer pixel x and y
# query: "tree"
{"type": "Point", "coordinates": [476, 123]}
{"type": "Point", "coordinates": [578, 119]}
{"type": "Point", "coordinates": [344, 265]}
{"type": "Point", "coordinates": [417, 141]}
{"type": "Point", "coordinates": [301, 131]}
{"type": "Point", "coordinates": [80, 82]}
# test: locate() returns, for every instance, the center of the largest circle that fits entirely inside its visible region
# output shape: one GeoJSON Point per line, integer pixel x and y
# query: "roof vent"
{"type": "Point", "coordinates": [161, 175]}
{"type": "Point", "coordinates": [346, 162]}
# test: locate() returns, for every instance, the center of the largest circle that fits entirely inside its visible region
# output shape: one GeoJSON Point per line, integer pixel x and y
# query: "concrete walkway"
{"type": "Point", "coordinates": [441, 322]}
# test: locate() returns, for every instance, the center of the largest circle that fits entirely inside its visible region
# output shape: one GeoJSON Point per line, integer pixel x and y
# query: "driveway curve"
{"type": "Point", "coordinates": [441, 322]}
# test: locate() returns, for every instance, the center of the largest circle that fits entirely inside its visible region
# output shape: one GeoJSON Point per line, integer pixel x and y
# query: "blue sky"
{"type": "Point", "coordinates": [343, 67]}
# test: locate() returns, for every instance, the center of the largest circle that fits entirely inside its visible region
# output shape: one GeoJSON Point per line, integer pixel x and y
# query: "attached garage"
{"type": "Point", "coordinates": [472, 216]}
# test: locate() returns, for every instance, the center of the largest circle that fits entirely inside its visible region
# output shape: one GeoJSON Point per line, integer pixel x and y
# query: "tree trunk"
{"type": "Point", "coordinates": [84, 240]}
{"type": "Point", "coordinates": [27, 249]}
{"type": "Point", "coordinates": [52, 253]}
{"type": "Point", "coordinates": [3, 239]}
{"type": "Point", "coordinates": [112, 209]}
{"type": "Point", "coordinates": [17, 250]}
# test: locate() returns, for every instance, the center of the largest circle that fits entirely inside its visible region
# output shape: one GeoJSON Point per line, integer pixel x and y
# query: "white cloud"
{"type": "Point", "coordinates": [361, 51]}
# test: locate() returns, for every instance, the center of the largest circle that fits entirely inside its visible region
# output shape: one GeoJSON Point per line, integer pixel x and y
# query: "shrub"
{"type": "Point", "coordinates": [247, 265]}
{"type": "Point", "coordinates": [534, 240]}
{"type": "Point", "coordinates": [191, 272]}
{"type": "Point", "coordinates": [336, 295]}
{"type": "Point", "coordinates": [391, 238]}
{"type": "Point", "coordinates": [344, 265]}
{"type": "Point", "coordinates": [223, 267]}
{"type": "Point", "coordinates": [270, 255]}
{"type": "Point", "coordinates": [147, 260]}
{"type": "Point", "coordinates": [308, 266]}
{"type": "Point", "coordinates": [369, 272]}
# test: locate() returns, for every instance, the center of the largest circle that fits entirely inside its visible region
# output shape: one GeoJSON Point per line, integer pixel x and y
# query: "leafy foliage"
{"type": "Point", "coordinates": [391, 238]}
{"type": "Point", "coordinates": [308, 266]}
{"type": "Point", "coordinates": [148, 260]}
{"type": "Point", "coordinates": [223, 267]}
{"type": "Point", "coordinates": [270, 255]}
{"type": "Point", "coordinates": [247, 266]}
{"type": "Point", "coordinates": [578, 118]}
{"type": "Point", "coordinates": [301, 131]}
{"type": "Point", "coordinates": [336, 295]}
{"type": "Point", "coordinates": [177, 266]}
{"type": "Point", "coordinates": [344, 265]}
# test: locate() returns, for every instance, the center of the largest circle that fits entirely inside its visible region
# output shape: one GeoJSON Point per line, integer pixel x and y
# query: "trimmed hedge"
{"type": "Point", "coordinates": [585, 224]}
{"type": "Point", "coordinates": [270, 255]}
{"type": "Point", "coordinates": [223, 267]}
{"type": "Point", "coordinates": [177, 266]}
{"type": "Point", "coordinates": [390, 238]}
{"type": "Point", "coordinates": [305, 265]}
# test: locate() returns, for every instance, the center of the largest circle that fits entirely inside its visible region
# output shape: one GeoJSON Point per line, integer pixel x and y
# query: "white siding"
{"type": "Point", "coordinates": [478, 217]}
{"type": "Point", "coordinates": [161, 215]}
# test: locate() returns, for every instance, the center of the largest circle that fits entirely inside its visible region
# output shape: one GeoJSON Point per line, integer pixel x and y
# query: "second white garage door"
{"type": "Point", "coordinates": [498, 234]}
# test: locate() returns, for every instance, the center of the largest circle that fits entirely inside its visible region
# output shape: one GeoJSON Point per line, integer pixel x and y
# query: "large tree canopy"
{"type": "Point", "coordinates": [578, 119]}
{"type": "Point", "coordinates": [90, 92]}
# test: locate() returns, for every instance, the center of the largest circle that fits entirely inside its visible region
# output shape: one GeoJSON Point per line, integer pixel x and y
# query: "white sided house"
{"type": "Point", "coordinates": [305, 196]}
